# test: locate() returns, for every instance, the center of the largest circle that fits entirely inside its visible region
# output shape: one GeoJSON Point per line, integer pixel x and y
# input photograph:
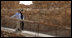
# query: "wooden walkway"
{"type": "Point", "coordinates": [26, 33]}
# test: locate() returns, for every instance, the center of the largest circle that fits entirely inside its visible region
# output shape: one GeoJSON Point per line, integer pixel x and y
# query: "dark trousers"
{"type": "Point", "coordinates": [22, 25]}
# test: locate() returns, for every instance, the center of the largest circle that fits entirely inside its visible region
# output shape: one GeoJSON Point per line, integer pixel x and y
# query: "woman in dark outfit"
{"type": "Point", "coordinates": [19, 15]}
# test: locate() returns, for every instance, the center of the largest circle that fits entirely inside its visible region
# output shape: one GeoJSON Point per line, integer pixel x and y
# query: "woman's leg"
{"type": "Point", "coordinates": [22, 25]}
{"type": "Point", "coordinates": [18, 26]}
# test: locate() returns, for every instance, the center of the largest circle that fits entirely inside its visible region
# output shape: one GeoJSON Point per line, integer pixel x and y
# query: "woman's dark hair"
{"type": "Point", "coordinates": [20, 10]}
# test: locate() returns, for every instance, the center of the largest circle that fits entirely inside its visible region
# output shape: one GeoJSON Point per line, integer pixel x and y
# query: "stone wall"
{"type": "Point", "coordinates": [53, 16]}
{"type": "Point", "coordinates": [10, 34]}
{"type": "Point", "coordinates": [37, 27]}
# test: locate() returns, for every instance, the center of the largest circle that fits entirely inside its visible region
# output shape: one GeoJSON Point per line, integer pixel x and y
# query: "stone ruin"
{"type": "Point", "coordinates": [53, 17]}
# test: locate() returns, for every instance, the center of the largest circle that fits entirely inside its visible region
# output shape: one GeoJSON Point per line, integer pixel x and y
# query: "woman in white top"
{"type": "Point", "coordinates": [19, 15]}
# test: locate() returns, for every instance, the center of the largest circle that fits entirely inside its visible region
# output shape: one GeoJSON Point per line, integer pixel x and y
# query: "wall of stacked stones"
{"type": "Point", "coordinates": [9, 34]}
{"type": "Point", "coordinates": [51, 16]}
{"type": "Point", "coordinates": [37, 27]}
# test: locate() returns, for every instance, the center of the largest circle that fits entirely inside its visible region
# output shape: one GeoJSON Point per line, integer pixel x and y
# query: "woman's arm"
{"type": "Point", "coordinates": [14, 16]}
{"type": "Point", "coordinates": [23, 17]}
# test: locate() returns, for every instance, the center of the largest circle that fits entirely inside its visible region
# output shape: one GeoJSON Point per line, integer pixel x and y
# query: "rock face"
{"type": "Point", "coordinates": [9, 4]}
{"type": "Point", "coordinates": [53, 16]}
{"type": "Point", "coordinates": [10, 34]}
